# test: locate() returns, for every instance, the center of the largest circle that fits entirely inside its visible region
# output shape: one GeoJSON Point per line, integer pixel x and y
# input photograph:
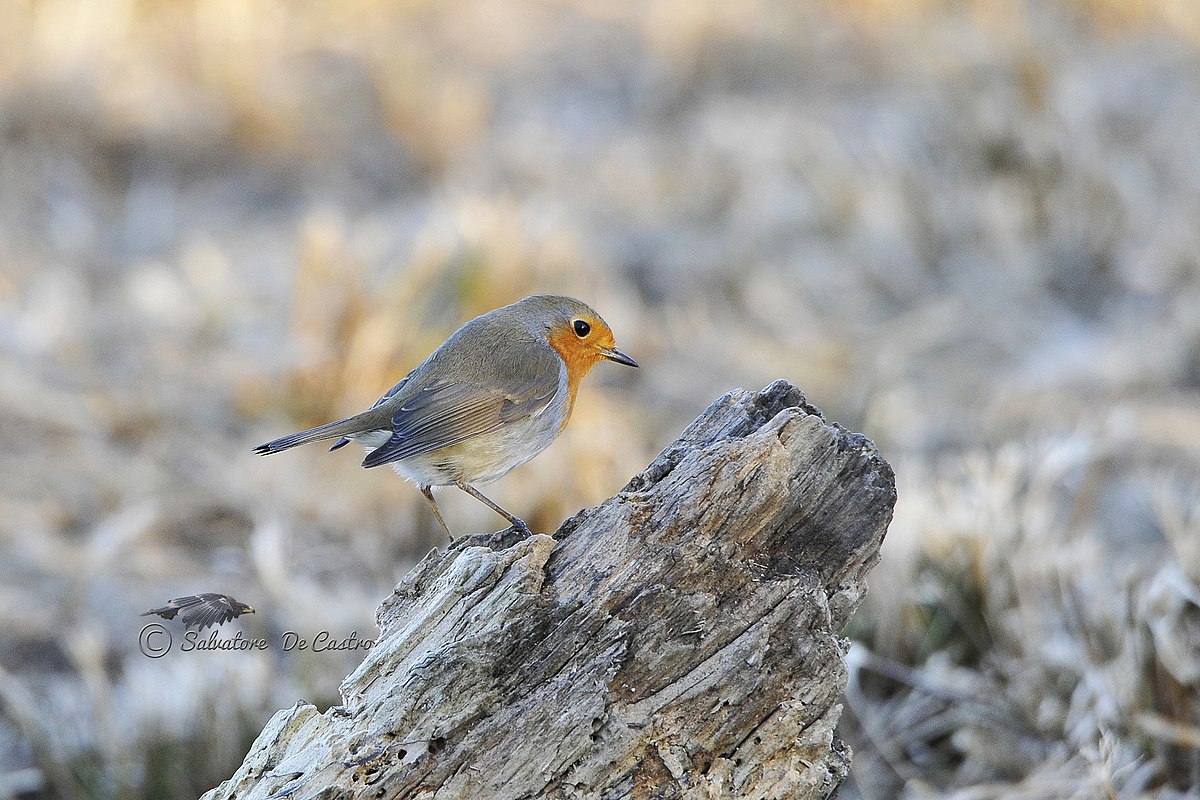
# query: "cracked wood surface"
{"type": "Point", "coordinates": [679, 640]}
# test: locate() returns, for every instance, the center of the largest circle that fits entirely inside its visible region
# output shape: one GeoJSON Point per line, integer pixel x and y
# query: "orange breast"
{"type": "Point", "coordinates": [579, 359]}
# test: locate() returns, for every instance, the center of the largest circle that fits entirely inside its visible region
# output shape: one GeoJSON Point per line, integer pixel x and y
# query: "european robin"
{"type": "Point", "coordinates": [490, 398]}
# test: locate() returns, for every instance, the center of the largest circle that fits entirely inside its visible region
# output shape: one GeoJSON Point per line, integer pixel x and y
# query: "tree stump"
{"type": "Point", "coordinates": [679, 640]}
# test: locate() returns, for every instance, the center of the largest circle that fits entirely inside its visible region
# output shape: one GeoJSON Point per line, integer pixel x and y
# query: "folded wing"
{"type": "Point", "coordinates": [445, 414]}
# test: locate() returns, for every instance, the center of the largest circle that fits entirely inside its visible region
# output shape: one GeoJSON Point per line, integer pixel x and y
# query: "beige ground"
{"type": "Point", "coordinates": [967, 229]}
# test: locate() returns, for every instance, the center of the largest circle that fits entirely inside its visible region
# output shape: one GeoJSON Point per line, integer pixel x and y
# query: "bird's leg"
{"type": "Point", "coordinates": [437, 512]}
{"type": "Point", "coordinates": [517, 522]}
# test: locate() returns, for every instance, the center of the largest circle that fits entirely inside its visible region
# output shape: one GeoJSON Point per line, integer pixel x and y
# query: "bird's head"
{"type": "Point", "coordinates": [576, 332]}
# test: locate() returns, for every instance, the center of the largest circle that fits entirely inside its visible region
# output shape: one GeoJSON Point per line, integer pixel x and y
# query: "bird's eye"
{"type": "Point", "coordinates": [582, 329]}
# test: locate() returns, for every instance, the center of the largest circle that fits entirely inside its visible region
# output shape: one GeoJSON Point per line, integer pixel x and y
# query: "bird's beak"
{"type": "Point", "coordinates": [248, 610]}
{"type": "Point", "coordinates": [613, 354]}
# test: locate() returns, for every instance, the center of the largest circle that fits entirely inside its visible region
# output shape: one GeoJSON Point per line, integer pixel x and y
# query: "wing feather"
{"type": "Point", "coordinates": [446, 414]}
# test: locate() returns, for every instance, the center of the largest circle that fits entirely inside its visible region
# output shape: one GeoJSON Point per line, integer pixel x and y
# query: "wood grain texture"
{"type": "Point", "coordinates": [679, 640]}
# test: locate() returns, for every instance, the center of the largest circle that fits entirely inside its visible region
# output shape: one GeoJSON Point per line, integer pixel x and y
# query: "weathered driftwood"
{"type": "Point", "coordinates": [680, 640]}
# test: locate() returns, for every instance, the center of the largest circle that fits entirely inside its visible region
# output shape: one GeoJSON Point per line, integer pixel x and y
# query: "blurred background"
{"type": "Point", "coordinates": [967, 228]}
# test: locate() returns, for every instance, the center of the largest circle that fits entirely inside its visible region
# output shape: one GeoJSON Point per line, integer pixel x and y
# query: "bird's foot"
{"type": "Point", "coordinates": [498, 540]}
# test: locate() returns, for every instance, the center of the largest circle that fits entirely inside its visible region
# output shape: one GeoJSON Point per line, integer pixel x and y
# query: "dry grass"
{"type": "Point", "coordinates": [967, 229]}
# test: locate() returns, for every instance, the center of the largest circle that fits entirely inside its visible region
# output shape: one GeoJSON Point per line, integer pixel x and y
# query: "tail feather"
{"type": "Point", "coordinates": [327, 431]}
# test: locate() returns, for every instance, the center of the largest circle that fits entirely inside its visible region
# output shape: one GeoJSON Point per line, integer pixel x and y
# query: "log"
{"type": "Point", "coordinates": [679, 640]}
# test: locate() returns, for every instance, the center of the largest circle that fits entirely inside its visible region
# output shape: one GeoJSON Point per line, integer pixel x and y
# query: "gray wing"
{"type": "Point", "coordinates": [208, 609]}
{"type": "Point", "coordinates": [448, 413]}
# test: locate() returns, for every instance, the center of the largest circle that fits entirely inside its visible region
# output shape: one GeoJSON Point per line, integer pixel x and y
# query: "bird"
{"type": "Point", "coordinates": [202, 610]}
{"type": "Point", "coordinates": [491, 397]}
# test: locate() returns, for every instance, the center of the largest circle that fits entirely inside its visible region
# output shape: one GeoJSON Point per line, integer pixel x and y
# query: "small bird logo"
{"type": "Point", "coordinates": [202, 610]}
{"type": "Point", "coordinates": [495, 394]}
